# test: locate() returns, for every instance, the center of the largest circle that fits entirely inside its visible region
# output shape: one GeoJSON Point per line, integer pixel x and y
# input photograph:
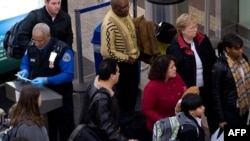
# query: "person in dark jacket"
{"type": "Point", "coordinates": [193, 109]}
{"type": "Point", "coordinates": [231, 82]}
{"type": "Point", "coordinates": [49, 61]}
{"type": "Point", "coordinates": [195, 57]}
{"type": "Point", "coordinates": [104, 112]}
{"type": "Point", "coordinates": [51, 14]}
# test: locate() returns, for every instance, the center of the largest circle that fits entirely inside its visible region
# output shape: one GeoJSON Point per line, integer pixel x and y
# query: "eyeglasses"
{"type": "Point", "coordinates": [37, 41]}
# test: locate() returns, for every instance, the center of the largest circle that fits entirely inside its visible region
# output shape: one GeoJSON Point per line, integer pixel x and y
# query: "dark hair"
{"type": "Point", "coordinates": [159, 67]}
{"type": "Point", "coordinates": [190, 101]}
{"type": "Point", "coordinates": [231, 41]}
{"type": "Point", "coordinates": [166, 32]}
{"type": "Point", "coordinates": [106, 68]}
{"type": "Point", "coordinates": [27, 108]}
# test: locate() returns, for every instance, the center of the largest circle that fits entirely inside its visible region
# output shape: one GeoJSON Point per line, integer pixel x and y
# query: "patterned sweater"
{"type": "Point", "coordinates": [118, 38]}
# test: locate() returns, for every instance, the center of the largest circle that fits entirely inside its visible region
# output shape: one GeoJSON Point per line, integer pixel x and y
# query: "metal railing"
{"type": "Point", "coordinates": [78, 12]}
{"type": "Point", "coordinates": [207, 17]}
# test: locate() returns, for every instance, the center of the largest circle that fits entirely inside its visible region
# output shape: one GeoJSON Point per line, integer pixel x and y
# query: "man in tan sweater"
{"type": "Point", "coordinates": [118, 41]}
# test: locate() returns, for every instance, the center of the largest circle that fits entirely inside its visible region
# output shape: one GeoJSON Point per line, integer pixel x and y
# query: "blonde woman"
{"type": "Point", "coordinates": [195, 57]}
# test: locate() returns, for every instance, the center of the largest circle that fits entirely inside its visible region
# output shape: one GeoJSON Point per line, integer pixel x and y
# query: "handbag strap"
{"type": "Point", "coordinates": [97, 95]}
{"type": "Point", "coordinates": [100, 93]}
{"type": "Point", "coordinates": [76, 130]}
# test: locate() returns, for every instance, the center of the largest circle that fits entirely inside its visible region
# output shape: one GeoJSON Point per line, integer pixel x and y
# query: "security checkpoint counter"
{"type": "Point", "coordinates": [50, 99]}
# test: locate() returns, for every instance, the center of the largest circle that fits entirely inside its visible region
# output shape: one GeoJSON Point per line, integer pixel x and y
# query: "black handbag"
{"type": "Point", "coordinates": [86, 132]}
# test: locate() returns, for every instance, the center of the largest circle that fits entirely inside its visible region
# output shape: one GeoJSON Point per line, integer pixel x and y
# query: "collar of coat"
{"type": "Point", "coordinates": [183, 45]}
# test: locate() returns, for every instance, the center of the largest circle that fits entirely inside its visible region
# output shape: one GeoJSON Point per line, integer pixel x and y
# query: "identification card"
{"type": "Point", "coordinates": [52, 56]}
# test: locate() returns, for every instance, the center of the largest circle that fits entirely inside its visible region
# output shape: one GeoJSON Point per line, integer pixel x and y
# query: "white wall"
{"type": "Point", "coordinates": [12, 8]}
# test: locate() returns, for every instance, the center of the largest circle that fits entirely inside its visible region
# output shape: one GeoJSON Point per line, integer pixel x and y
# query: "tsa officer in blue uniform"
{"type": "Point", "coordinates": [48, 61]}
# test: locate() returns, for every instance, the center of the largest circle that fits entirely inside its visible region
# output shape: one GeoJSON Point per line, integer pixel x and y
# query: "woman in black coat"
{"type": "Point", "coordinates": [195, 57]}
{"type": "Point", "coordinates": [231, 82]}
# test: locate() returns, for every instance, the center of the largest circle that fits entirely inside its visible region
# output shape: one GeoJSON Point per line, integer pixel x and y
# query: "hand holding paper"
{"type": "Point", "coordinates": [23, 75]}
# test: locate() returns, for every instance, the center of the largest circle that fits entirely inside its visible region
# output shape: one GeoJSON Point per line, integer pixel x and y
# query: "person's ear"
{"type": "Point", "coordinates": [112, 76]}
{"type": "Point", "coordinates": [227, 49]}
{"type": "Point", "coordinates": [191, 112]}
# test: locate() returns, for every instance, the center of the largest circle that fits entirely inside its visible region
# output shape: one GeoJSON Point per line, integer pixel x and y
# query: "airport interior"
{"type": "Point", "coordinates": [216, 18]}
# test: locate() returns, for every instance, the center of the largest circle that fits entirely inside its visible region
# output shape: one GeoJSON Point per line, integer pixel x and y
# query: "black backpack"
{"type": "Point", "coordinates": [10, 42]}
{"type": "Point", "coordinates": [10, 45]}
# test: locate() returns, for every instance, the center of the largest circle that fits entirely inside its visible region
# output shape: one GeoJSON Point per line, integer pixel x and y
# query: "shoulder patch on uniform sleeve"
{"type": "Point", "coordinates": [66, 57]}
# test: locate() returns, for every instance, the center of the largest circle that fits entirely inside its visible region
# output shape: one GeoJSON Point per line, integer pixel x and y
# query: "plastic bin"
{"type": "Point", "coordinates": [96, 40]}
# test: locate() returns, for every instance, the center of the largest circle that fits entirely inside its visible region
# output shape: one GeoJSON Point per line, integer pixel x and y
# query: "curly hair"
{"type": "Point", "coordinates": [160, 67]}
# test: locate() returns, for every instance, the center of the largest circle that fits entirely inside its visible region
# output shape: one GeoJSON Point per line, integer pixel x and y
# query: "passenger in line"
{"type": "Point", "coordinates": [162, 92]}
{"type": "Point", "coordinates": [193, 109]}
{"type": "Point", "coordinates": [231, 83]}
{"type": "Point", "coordinates": [103, 115]}
{"type": "Point", "coordinates": [26, 115]}
{"type": "Point", "coordinates": [119, 42]}
{"type": "Point", "coordinates": [195, 57]}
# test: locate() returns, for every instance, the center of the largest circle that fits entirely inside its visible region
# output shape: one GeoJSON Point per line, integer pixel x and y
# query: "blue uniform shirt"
{"type": "Point", "coordinates": [66, 66]}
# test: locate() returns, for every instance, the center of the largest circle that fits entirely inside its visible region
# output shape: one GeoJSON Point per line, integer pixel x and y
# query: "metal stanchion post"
{"type": "Point", "coordinates": [207, 17]}
{"type": "Point", "coordinates": [79, 87]}
{"type": "Point", "coordinates": [135, 8]}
